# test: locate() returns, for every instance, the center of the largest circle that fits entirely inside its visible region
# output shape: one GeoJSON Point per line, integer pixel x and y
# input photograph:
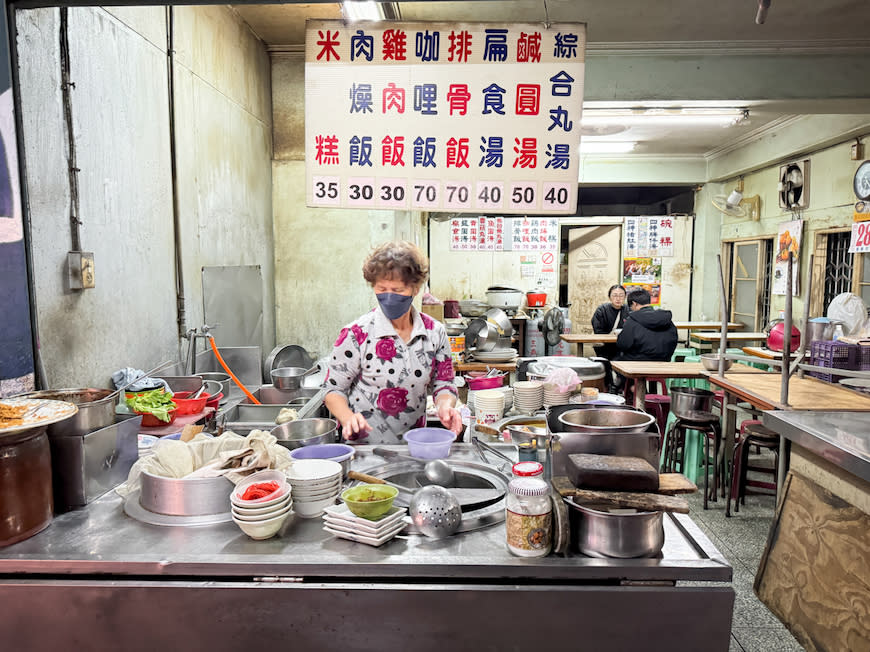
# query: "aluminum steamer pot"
{"type": "Point", "coordinates": [184, 496]}
{"type": "Point", "coordinates": [685, 400]}
{"type": "Point", "coordinates": [623, 534]}
{"type": "Point", "coordinates": [96, 410]}
{"type": "Point", "coordinates": [605, 419]}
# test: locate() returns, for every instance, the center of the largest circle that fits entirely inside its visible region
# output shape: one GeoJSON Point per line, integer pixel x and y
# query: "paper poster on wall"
{"type": "Point", "coordinates": [788, 240]}
{"type": "Point", "coordinates": [457, 117]}
{"type": "Point", "coordinates": [648, 236]}
{"type": "Point", "coordinates": [654, 289]}
{"type": "Point", "coordinates": [528, 266]}
{"type": "Point", "coordinates": [547, 273]}
{"type": "Point", "coordinates": [644, 273]}
{"type": "Point", "coordinates": [534, 233]}
{"type": "Point", "coordinates": [860, 241]}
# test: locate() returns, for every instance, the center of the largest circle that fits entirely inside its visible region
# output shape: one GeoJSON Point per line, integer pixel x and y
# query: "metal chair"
{"type": "Point", "coordinates": [753, 434]}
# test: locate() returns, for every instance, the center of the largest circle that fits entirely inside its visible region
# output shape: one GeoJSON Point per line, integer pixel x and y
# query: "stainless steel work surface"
{"type": "Point", "coordinates": [842, 438]}
{"type": "Point", "coordinates": [101, 539]}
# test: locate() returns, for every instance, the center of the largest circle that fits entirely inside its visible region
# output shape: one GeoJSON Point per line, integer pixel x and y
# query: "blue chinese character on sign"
{"type": "Point", "coordinates": [426, 45]}
{"type": "Point", "coordinates": [496, 45]}
{"type": "Point", "coordinates": [362, 46]}
{"type": "Point", "coordinates": [559, 156]}
{"type": "Point", "coordinates": [361, 150]}
{"type": "Point", "coordinates": [493, 99]}
{"type": "Point", "coordinates": [493, 152]}
{"type": "Point", "coordinates": [561, 84]}
{"type": "Point", "coordinates": [559, 118]}
{"type": "Point", "coordinates": [424, 98]}
{"type": "Point", "coordinates": [361, 98]}
{"type": "Point", "coordinates": [424, 152]}
{"type": "Point", "coordinates": [566, 46]}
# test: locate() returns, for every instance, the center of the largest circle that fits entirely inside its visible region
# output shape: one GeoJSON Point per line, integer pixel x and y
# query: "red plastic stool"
{"type": "Point", "coordinates": [659, 405]}
{"type": "Point", "coordinates": [754, 435]}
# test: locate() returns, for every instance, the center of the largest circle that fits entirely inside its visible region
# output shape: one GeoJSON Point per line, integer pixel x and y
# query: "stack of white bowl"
{"type": "Point", "coordinates": [554, 396]}
{"type": "Point", "coordinates": [528, 395]}
{"type": "Point", "coordinates": [316, 485]}
{"type": "Point", "coordinates": [508, 397]}
{"type": "Point", "coordinates": [489, 406]}
{"type": "Point", "coordinates": [261, 518]}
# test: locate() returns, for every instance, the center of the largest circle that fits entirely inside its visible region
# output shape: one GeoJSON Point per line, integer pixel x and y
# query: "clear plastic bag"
{"type": "Point", "coordinates": [850, 310]}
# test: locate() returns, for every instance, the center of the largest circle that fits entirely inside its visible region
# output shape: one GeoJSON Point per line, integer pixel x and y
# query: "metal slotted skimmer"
{"type": "Point", "coordinates": [435, 512]}
{"type": "Point", "coordinates": [469, 475]}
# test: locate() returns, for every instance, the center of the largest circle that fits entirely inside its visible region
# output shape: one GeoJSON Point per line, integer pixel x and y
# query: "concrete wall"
{"type": "Point", "coordinates": [121, 127]}
{"type": "Point", "coordinates": [318, 251]}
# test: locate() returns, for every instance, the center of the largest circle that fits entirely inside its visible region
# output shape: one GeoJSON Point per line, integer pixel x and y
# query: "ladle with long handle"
{"type": "Point", "coordinates": [436, 471]}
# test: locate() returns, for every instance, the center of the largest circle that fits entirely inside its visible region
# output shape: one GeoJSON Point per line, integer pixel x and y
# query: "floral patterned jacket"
{"type": "Point", "coordinates": [387, 380]}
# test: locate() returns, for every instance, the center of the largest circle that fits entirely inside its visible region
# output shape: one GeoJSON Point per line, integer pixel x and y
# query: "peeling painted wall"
{"type": "Point", "coordinates": [121, 127]}
{"type": "Point", "coordinates": [319, 252]}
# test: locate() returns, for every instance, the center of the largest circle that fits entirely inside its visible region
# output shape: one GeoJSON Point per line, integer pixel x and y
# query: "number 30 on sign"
{"type": "Point", "coordinates": [860, 241]}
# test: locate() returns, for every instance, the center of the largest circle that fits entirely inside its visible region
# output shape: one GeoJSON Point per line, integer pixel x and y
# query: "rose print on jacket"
{"type": "Point", "coordinates": [428, 322]}
{"type": "Point", "coordinates": [341, 337]}
{"type": "Point", "coordinates": [359, 334]}
{"type": "Point", "coordinates": [445, 370]}
{"type": "Point", "coordinates": [385, 349]}
{"type": "Point", "coordinates": [393, 400]}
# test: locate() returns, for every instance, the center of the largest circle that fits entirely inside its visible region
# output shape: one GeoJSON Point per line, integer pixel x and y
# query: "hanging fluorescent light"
{"type": "Point", "coordinates": [606, 146]}
{"type": "Point", "coordinates": [361, 10]}
{"type": "Point", "coordinates": [665, 116]}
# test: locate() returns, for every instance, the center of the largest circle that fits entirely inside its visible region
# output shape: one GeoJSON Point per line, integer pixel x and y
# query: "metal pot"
{"type": "Point", "coordinates": [605, 419]}
{"type": "Point", "coordinates": [305, 432]}
{"type": "Point", "coordinates": [598, 532]}
{"type": "Point", "coordinates": [504, 298]}
{"type": "Point", "coordinates": [96, 410]}
{"type": "Point", "coordinates": [685, 400]}
{"type": "Point", "coordinates": [184, 496]}
{"type": "Point", "coordinates": [220, 377]}
{"type": "Point", "coordinates": [290, 377]}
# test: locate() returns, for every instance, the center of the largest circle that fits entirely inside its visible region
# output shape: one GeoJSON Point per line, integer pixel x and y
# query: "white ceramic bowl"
{"type": "Point", "coordinates": [312, 471]}
{"type": "Point", "coordinates": [277, 497]}
{"type": "Point", "coordinates": [304, 493]}
{"type": "Point", "coordinates": [262, 529]}
{"type": "Point", "coordinates": [259, 511]}
{"type": "Point", "coordinates": [262, 517]}
{"type": "Point", "coordinates": [313, 509]}
{"type": "Point", "coordinates": [261, 476]}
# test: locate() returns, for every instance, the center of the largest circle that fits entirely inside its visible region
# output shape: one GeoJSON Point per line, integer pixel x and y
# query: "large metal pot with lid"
{"type": "Point", "coordinates": [96, 410]}
{"type": "Point", "coordinates": [591, 371]}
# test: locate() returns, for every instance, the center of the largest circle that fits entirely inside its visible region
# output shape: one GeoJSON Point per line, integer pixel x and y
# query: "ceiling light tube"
{"type": "Point", "coordinates": [661, 115]}
{"type": "Point", "coordinates": [607, 146]}
{"type": "Point", "coordinates": [354, 10]}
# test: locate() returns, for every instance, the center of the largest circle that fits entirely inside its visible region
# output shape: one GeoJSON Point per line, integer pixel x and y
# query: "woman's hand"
{"type": "Point", "coordinates": [449, 416]}
{"type": "Point", "coordinates": [354, 427]}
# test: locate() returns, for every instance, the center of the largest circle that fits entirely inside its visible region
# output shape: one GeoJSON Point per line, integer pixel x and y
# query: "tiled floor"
{"type": "Point", "coordinates": [741, 539]}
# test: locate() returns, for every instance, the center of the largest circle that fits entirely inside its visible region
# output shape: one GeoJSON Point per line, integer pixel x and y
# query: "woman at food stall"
{"type": "Point", "coordinates": [386, 363]}
{"type": "Point", "coordinates": [608, 318]}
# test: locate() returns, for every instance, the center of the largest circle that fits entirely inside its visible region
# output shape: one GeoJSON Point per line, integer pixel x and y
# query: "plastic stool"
{"type": "Point", "coordinates": [675, 444]}
{"type": "Point", "coordinates": [681, 352]}
{"type": "Point", "coordinates": [659, 405]}
{"type": "Point", "coordinates": [754, 435]}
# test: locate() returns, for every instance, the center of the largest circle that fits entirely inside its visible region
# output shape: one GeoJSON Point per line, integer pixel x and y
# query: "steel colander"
{"type": "Point", "coordinates": [435, 512]}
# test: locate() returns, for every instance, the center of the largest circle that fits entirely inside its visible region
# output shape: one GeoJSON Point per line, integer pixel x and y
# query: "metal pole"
{"type": "Point", "coordinates": [786, 347]}
{"type": "Point", "coordinates": [723, 307]}
{"type": "Point", "coordinates": [805, 343]}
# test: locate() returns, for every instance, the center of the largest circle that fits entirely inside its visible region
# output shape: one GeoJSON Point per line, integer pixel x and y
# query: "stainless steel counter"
{"type": "Point", "coordinates": [842, 438]}
{"type": "Point", "coordinates": [98, 560]}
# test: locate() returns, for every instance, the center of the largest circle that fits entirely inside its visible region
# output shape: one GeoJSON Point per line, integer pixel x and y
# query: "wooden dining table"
{"type": "Point", "coordinates": [715, 337]}
{"type": "Point", "coordinates": [588, 338]}
{"type": "Point", "coordinates": [704, 326]}
{"type": "Point", "coordinates": [764, 352]}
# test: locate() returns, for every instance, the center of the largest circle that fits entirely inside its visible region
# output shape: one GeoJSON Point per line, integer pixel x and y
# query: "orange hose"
{"type": "Point", "coordinates": [232, 375]}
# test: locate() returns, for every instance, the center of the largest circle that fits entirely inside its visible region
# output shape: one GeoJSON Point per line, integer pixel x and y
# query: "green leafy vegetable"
{"type": "Point", "coordinates": [156, 402]}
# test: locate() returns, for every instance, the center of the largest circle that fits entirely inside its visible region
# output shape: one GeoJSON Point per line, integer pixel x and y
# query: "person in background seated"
{"type": "Point", "coordinates": [609, 318]}
{"type": "Point", "coordinates": [648, 334]}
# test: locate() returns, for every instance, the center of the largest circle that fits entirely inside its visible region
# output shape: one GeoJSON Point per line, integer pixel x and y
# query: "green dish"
{"type": "Point", "coordinates": [369, 501]}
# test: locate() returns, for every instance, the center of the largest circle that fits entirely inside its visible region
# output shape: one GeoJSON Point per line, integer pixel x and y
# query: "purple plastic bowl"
{"type": "Point", "coordinates": [341, 453]}
{"type": "Point", "coordinates": [492, 382]}
{"type": "Point", "coordinates": [429, 443]}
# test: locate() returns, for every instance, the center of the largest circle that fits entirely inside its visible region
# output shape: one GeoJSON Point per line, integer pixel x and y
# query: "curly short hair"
{"type": "Point", "coordinates": [397, 260]}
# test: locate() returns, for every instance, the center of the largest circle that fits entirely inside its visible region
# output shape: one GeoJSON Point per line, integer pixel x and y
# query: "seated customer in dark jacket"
{"type": "Point", "coordinates": [648, 334]}
{"type": "Point", "coordinates": [609, 317]}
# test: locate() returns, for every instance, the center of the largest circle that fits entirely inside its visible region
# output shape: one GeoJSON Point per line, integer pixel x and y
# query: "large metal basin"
{"type": "Point", "coordinates": [685, 400]}
{"type": "Point", "coordinates": [185, 497]}
{"type": "Point", "coordinates": [605, 419]}
{"type": "Point", "coordinates": [306, 432]}
{"type": "Point", "coordinates": [271, 395]}
{"type": "Point", "coordinates": [623, 534]}
{"type": "Point", "coordinates": [96, 410]}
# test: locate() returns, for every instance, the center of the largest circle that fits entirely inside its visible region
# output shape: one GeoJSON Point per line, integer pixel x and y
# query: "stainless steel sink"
{"type": "Point", "coordinates": [271, 395]}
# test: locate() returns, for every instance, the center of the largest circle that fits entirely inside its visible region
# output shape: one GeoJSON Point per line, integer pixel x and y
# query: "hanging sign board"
{"type": "Point", "coordinates": [648, 237]}
{"type": "Point", "coordinates": [458, 117]}
{"type": "Point", "coordinates": [860, 241]}
{"type": "Point", "coordinates": [788, 239]}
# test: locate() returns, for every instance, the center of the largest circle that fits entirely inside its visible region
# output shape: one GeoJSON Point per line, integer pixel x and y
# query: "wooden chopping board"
{"type": "Point", "coordinates": [643, 501]}
{"type": "Point", "coordinates": [612, 472]}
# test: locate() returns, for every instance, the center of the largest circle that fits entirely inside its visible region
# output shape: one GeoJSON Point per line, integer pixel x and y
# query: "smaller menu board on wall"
{"type": "Point", "coordinates": [535, 234]}
{"type": "Point", "coordinates": [500, 233]}
{"type": "Point", "coordinates": [648, 237]}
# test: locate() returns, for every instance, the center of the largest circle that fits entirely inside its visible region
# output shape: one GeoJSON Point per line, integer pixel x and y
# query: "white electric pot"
{"type": "Point", "coordinates": [504, 298]}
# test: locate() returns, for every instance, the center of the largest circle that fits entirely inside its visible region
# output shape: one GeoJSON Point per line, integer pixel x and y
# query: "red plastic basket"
{"type": "Point", "coordinates": [834, 355]}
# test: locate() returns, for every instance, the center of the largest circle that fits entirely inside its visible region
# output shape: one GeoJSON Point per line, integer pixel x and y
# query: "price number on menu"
{"type": "Point", "coordinates": [860, 237]}
{"type": "Point", "coordinates": [326, 191]}
{"type": "Point", "coordinates": [361, 191]}
{"type": "Point", "coordinates": [489, 195]}
{"type": "Point", "coordinates": [524, 196]}
{"type": "Point", "coordinates": [392, 193]}
{"type": "Point", "coordinates": [424, 194]}
{"type": "Point", "coordinates": [556, 196]}
{"type": "Point", "coordinates": [457, 194]}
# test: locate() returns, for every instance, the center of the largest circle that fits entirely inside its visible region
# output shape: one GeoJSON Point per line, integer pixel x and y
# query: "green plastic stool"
{"type": "Point", "coordinates": [692, 452]}
{"type": "Point", "coordinates": [697, 383]}
{"type": "Point", "coordinates": [681, 352]}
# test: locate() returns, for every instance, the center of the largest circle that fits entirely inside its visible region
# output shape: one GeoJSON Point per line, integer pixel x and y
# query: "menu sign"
{"type": "Point", "coordinates": [648, 237]}
{"type": "Point", "coordinates": [459, 117]}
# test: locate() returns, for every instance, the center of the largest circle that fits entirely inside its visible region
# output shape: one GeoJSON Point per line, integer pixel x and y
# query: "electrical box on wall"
{"type": "Point", "coordinates": [80, 270]}
{"type": "Point", "coordinates": [794, 185]}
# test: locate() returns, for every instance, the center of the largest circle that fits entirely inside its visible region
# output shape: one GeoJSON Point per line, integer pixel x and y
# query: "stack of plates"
{"type": "Point", "coordinates": [341, 522]}
{"type": "Point", "coordinates": [316, 484]}
{"type": "Point", "coordinates": [508, 397]}
{"type": "Point", "coordinates": [489, 406]}
{"type": "Point", "coordinates": [552, 395]}
{"type": "Point", "coordinates": [496, 355]}
{"type": "Point", "coordinates": [528, 395]}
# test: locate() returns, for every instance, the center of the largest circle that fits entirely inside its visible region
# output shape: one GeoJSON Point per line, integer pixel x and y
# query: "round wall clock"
{"type": "Point", "coordinates": [861, 183]}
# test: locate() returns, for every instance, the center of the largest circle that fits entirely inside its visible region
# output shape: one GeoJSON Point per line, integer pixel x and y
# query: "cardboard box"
{"type": "Point", "coordinates": [434, 311]}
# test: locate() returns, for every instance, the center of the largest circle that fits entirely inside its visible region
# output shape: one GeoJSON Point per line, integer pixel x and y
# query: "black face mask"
{"type": "Point", "coordinates": [394, 305]}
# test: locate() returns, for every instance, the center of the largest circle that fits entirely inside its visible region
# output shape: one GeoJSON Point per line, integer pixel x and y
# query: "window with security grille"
{"type": "Point", "coordinates": [838, 266]}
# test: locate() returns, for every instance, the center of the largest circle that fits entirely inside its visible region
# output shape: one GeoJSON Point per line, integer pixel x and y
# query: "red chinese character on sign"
{"type": "Point", "coordinates": [527, 152]}
{"type": "Point", "coordinates": [327, 150]}
{"type": "Point", "coordinates": [460, 46]}
{"type": "Point", "coordinates": [457, 153]}
{"type": "Point", "coordinates": [328, 42]}
{"type": "Point", "coordinates": [529, 47]}
{"type": "Point", "coordinates": [665, 242]}
{"type": "Point", "coordinates": [393, 98]}
{"type": "Point", "coordinates": [457, 98]}
{"type": "Point", "coordinates": [667, 223]}
{"type": "Point", "coordinates": [395, 44]}
{"type": "Point", "coordinates": [528, 99]}
{"type": "Point", "coordinates": [393, 151]}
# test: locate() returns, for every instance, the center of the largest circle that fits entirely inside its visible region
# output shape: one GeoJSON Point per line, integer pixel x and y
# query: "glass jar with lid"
{"type": "Point", "coordinates": [528, 517]}
{"type": "Point", "coordinates": [527, 469]}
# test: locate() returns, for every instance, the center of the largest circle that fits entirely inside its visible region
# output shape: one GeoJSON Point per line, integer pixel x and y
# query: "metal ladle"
{"type": "Point", "coordinates": [436, 471]}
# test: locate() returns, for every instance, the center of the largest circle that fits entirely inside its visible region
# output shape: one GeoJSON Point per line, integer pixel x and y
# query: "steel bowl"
{"type": "Point", "coordinates": [601, 531]}
{"type": "Point", "coordinates": [96, 410]}
{"type": "Point", "coordinates": [288, 377]}
{"type": "Point", "coordinates": [220, 377]}
{"type": "Point", "coordinates": [184, 496]}
{"type": "Point", "coordinates": [685, 400]}
{"type": "Point", "coordinates": [711, 362]}
{"type": "Point", "coordinates": [306, 432]}
{"type": "Point", "coordinates": [613, 420]}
